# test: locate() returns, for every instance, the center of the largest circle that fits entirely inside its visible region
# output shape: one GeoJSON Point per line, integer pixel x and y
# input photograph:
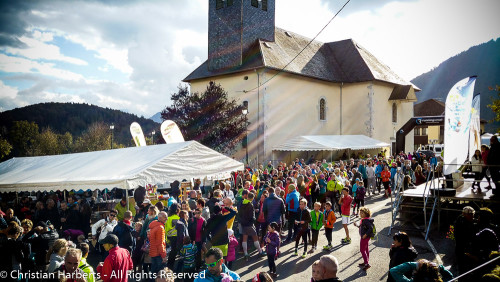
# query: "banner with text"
{"type": "Point", "coordinates": [171, 132]}
{"type": "Point", "coordinates": [457, 124]}
{"type": "Point", "coordinates": [137, 134]}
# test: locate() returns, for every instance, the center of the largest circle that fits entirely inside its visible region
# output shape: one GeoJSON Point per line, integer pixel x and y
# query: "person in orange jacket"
{"type": "Point", "coordinates": [157, 246]}
{"type": "Point", "coordinates": [328, 221]}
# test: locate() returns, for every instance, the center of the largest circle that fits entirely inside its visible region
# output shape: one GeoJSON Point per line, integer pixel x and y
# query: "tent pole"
{"type": "Point", "coordinates": [331, 156]}
{"type": "Point", "coordinates": [64, 195]}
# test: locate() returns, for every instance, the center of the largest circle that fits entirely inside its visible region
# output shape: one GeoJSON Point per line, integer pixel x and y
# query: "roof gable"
{"type": "Point", "coordinates": [431, 107]}
{"type": "Point", "coordinates": [340, 61]}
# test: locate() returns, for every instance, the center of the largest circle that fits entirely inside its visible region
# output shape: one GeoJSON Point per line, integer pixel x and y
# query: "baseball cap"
{"type": "Point", "coordinates": [110, 239]}
{"type": "Point", "coordinates": [146, 201]}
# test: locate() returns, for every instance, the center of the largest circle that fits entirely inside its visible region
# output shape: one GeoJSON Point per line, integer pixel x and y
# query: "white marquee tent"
{"type": "Point", "coordinates": [121, 168]}
{"type": "Point", "coordinates": [330, 143]}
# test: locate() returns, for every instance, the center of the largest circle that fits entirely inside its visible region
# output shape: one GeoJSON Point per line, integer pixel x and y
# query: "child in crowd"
{"type": "Point", "coordinates": [188, 255]}
{"type": "Point", "coordinates": [137, 252]}
{"type": "Point", "coordinates": [316, 224]}
{"type": "Point", "coordinates": [359, 198]}
{"type": "Point", "coordinates": [231, 249]}
{"type": "Point", "coordinates": [328, 220]}
{"type": "Point", "coordinates": [316, 272]}
{"type": "Point", "coordinates": [302, 220]}
{"type": "Point", "coordinates": [365, 232]}
{"type": "Point", "coordinates": [272, 241]}
{"type": "Point", "coordinates": [345, 207]}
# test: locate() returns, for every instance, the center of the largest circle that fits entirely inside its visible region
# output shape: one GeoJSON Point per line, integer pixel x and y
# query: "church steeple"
{"type": "Point", "coordinates": [233, 26]}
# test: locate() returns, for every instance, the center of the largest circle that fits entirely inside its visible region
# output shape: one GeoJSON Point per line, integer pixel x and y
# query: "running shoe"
{"type": "Point", "coordinates": [304, 255]}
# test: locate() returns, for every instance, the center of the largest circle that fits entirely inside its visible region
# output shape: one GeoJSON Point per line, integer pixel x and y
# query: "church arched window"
{"type": "Point", "coordinates": [394, 113]}
{"type": "Point", "coordinates": [322, 109]}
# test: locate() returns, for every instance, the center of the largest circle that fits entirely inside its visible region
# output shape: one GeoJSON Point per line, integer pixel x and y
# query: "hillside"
{"type": "Point", "coordinates": [482, 60]}
{"type": "Point", "coordinates": [76, 118]}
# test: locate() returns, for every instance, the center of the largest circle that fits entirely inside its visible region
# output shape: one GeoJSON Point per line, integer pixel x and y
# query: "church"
{"type": "Point", "coordinates": [294, 89]}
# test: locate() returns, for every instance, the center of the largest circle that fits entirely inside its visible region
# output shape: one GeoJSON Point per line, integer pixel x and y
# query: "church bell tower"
{"type": "Point", "coordinates": [234, 26]}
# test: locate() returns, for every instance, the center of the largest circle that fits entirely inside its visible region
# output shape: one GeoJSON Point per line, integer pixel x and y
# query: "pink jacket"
{"type": "Point", "coordinates": [231, 250]}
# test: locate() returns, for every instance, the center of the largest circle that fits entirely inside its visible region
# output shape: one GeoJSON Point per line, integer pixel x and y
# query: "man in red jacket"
{"type": "Point", "coordinates": [117, 263]}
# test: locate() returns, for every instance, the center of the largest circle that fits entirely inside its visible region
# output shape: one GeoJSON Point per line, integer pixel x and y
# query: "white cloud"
{"type": "Point", "coordinates": [411, 37]}
{"type": "Point", "coordinates": [20, 65]}
{"type": "Point", "coordinates": [7, 92]}
{"type": "Point", "coordinates": [155, 44]}
{"type": "Point", "coordinates": [38, 49]}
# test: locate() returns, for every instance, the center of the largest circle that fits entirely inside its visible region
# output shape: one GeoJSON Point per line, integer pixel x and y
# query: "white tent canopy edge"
{"type": "Point", "coordinates": [120, 168]}
{"type": "Point", "coordinates": [330, 143]}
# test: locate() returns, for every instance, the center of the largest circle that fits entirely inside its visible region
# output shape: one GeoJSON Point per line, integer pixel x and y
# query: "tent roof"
{"type": "Point", "coordinates": [120, 168]}
{"type": "Point", "coordinates": [330, 142]}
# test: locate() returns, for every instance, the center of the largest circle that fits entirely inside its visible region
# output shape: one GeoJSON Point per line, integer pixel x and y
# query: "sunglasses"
{"type": "Point", "coordinates": [114, 215]}
{"type": "Point", "coordinates": [213, 264]}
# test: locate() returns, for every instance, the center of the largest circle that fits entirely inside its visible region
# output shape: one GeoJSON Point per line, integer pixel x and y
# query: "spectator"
{"type": "Point", "coordinates": [365, 232]}
{"type": "Point", "coordinates": [121, 208]}
{"type": "Point", "coordinates": [143, 210]}
{"type": "Point", "coordinates": [464, 235]}
{"type": "Point", "coordinates": [106, 225]}
{"type": "Point", "coordinates": [345, 203]}
{"type": "Point", "coordinates": [157, 249]}
{"type": "Point", "coordinates": [181, 227]}
{"type": "Point", "coordinates": [246, 215]}
{"type": "Point", "coordinates": [327, 269]}
{"type": "Point", "coordinates": [151, 216]}
{"type": "Point", "coordinates": [52, 214]}
{"type": "Point", "coordinates": [56, 254]}
{"type": "Point", "coordinates": [41, 238]}
{"type": "Point", "coordinates": [123, 230]}
{"type": "Point", "coordinates": [196, 226]}
{"type": "Point", "coordinates": [231, 249]}
{"type": "Point", "coordinates": [117, 263]}
{"type": "Point", "coordinates": [9, 217]}
{"type": "Point", "coordinates": [205, 211]}
{"type": "Point", "coordinates": [215, 267]}
{"type": "Point", "coordinates": [302, 221]}
{"type": "Point", "coordinates": [493, 162]}
{"type": "Point", "coordinates": [274, 209]}
{"type": "Point", "coordinates": [292, 201]}
{"type": "Point", "coordinates": [424, 271]}
{"type": "Point", "coordinates": [192, 199]}
{"type": "Point", "coordinates": [69, 271]}
{"type": "Point", "coordinates": [316, 224]}
{"type": "Point", "coordinates": [165, 275]}
{"type": "Point", "coordinates": [401, 251]}
{"type": "Point", "coordinates": [216, 231]}
{"type": "Point", "coordinates": [27, 225]}
{"type": "Point", "coordinates": [188, 256]}
{"type": "Point", "coordinates": [328, 220]}
{"type": "Point", "coordinates": [272, 241]}
{"type": "Point", "coordinates": [83, 265]}
{"type": "Point", "coordinates": [14, 252]}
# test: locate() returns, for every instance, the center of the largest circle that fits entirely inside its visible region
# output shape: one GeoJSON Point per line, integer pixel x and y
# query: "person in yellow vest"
{"type": "Point", "coordinates": [84, 266]}
{"type": "Point", "coordinates": [121, 207]}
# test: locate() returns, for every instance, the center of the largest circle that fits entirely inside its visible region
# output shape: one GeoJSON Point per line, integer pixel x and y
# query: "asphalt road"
{"type": "Point", "coordinates": [296, 268]}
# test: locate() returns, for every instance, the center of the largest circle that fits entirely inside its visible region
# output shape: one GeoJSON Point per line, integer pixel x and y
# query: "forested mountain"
{"type": "Point", "coordinates": [482, 60]}
{"type": "Point", "coordinates": [77, 118]}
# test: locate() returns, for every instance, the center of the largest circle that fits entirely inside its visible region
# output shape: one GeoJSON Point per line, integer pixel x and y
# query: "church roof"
{"type": "Point", "coordinates": [340, 61]}
{"type": "Point", "coordinates": [431, 107]}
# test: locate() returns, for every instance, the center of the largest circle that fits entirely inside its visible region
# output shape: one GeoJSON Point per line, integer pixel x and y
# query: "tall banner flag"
{"type": "Point", "coordinates": [475, 127]}
{"type": "Point", "coordinates": [171, 132]}
{"type": "Point", "coordinates": [457, 119]}
{"type": "Point", "coordinates": [137, 134]}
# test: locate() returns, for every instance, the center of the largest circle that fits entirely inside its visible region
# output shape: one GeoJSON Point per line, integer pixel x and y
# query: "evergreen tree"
{"type": "Point", "coordinates": [210, 118]}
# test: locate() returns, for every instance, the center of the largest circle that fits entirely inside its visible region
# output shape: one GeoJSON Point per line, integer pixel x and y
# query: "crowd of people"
{"type": "Point", "coordinates": [202, 233]}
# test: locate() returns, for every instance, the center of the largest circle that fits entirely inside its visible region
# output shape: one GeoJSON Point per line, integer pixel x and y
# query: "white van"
{"type": "Point", "coordinates": [436, 148]}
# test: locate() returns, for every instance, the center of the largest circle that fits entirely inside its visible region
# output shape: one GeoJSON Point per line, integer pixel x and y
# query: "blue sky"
{"type": "Point", "coordinates": [131, 55]}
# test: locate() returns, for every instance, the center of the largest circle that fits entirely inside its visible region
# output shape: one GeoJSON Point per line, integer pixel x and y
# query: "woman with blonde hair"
{"type": "Point", "coordinates": [56, 254]}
